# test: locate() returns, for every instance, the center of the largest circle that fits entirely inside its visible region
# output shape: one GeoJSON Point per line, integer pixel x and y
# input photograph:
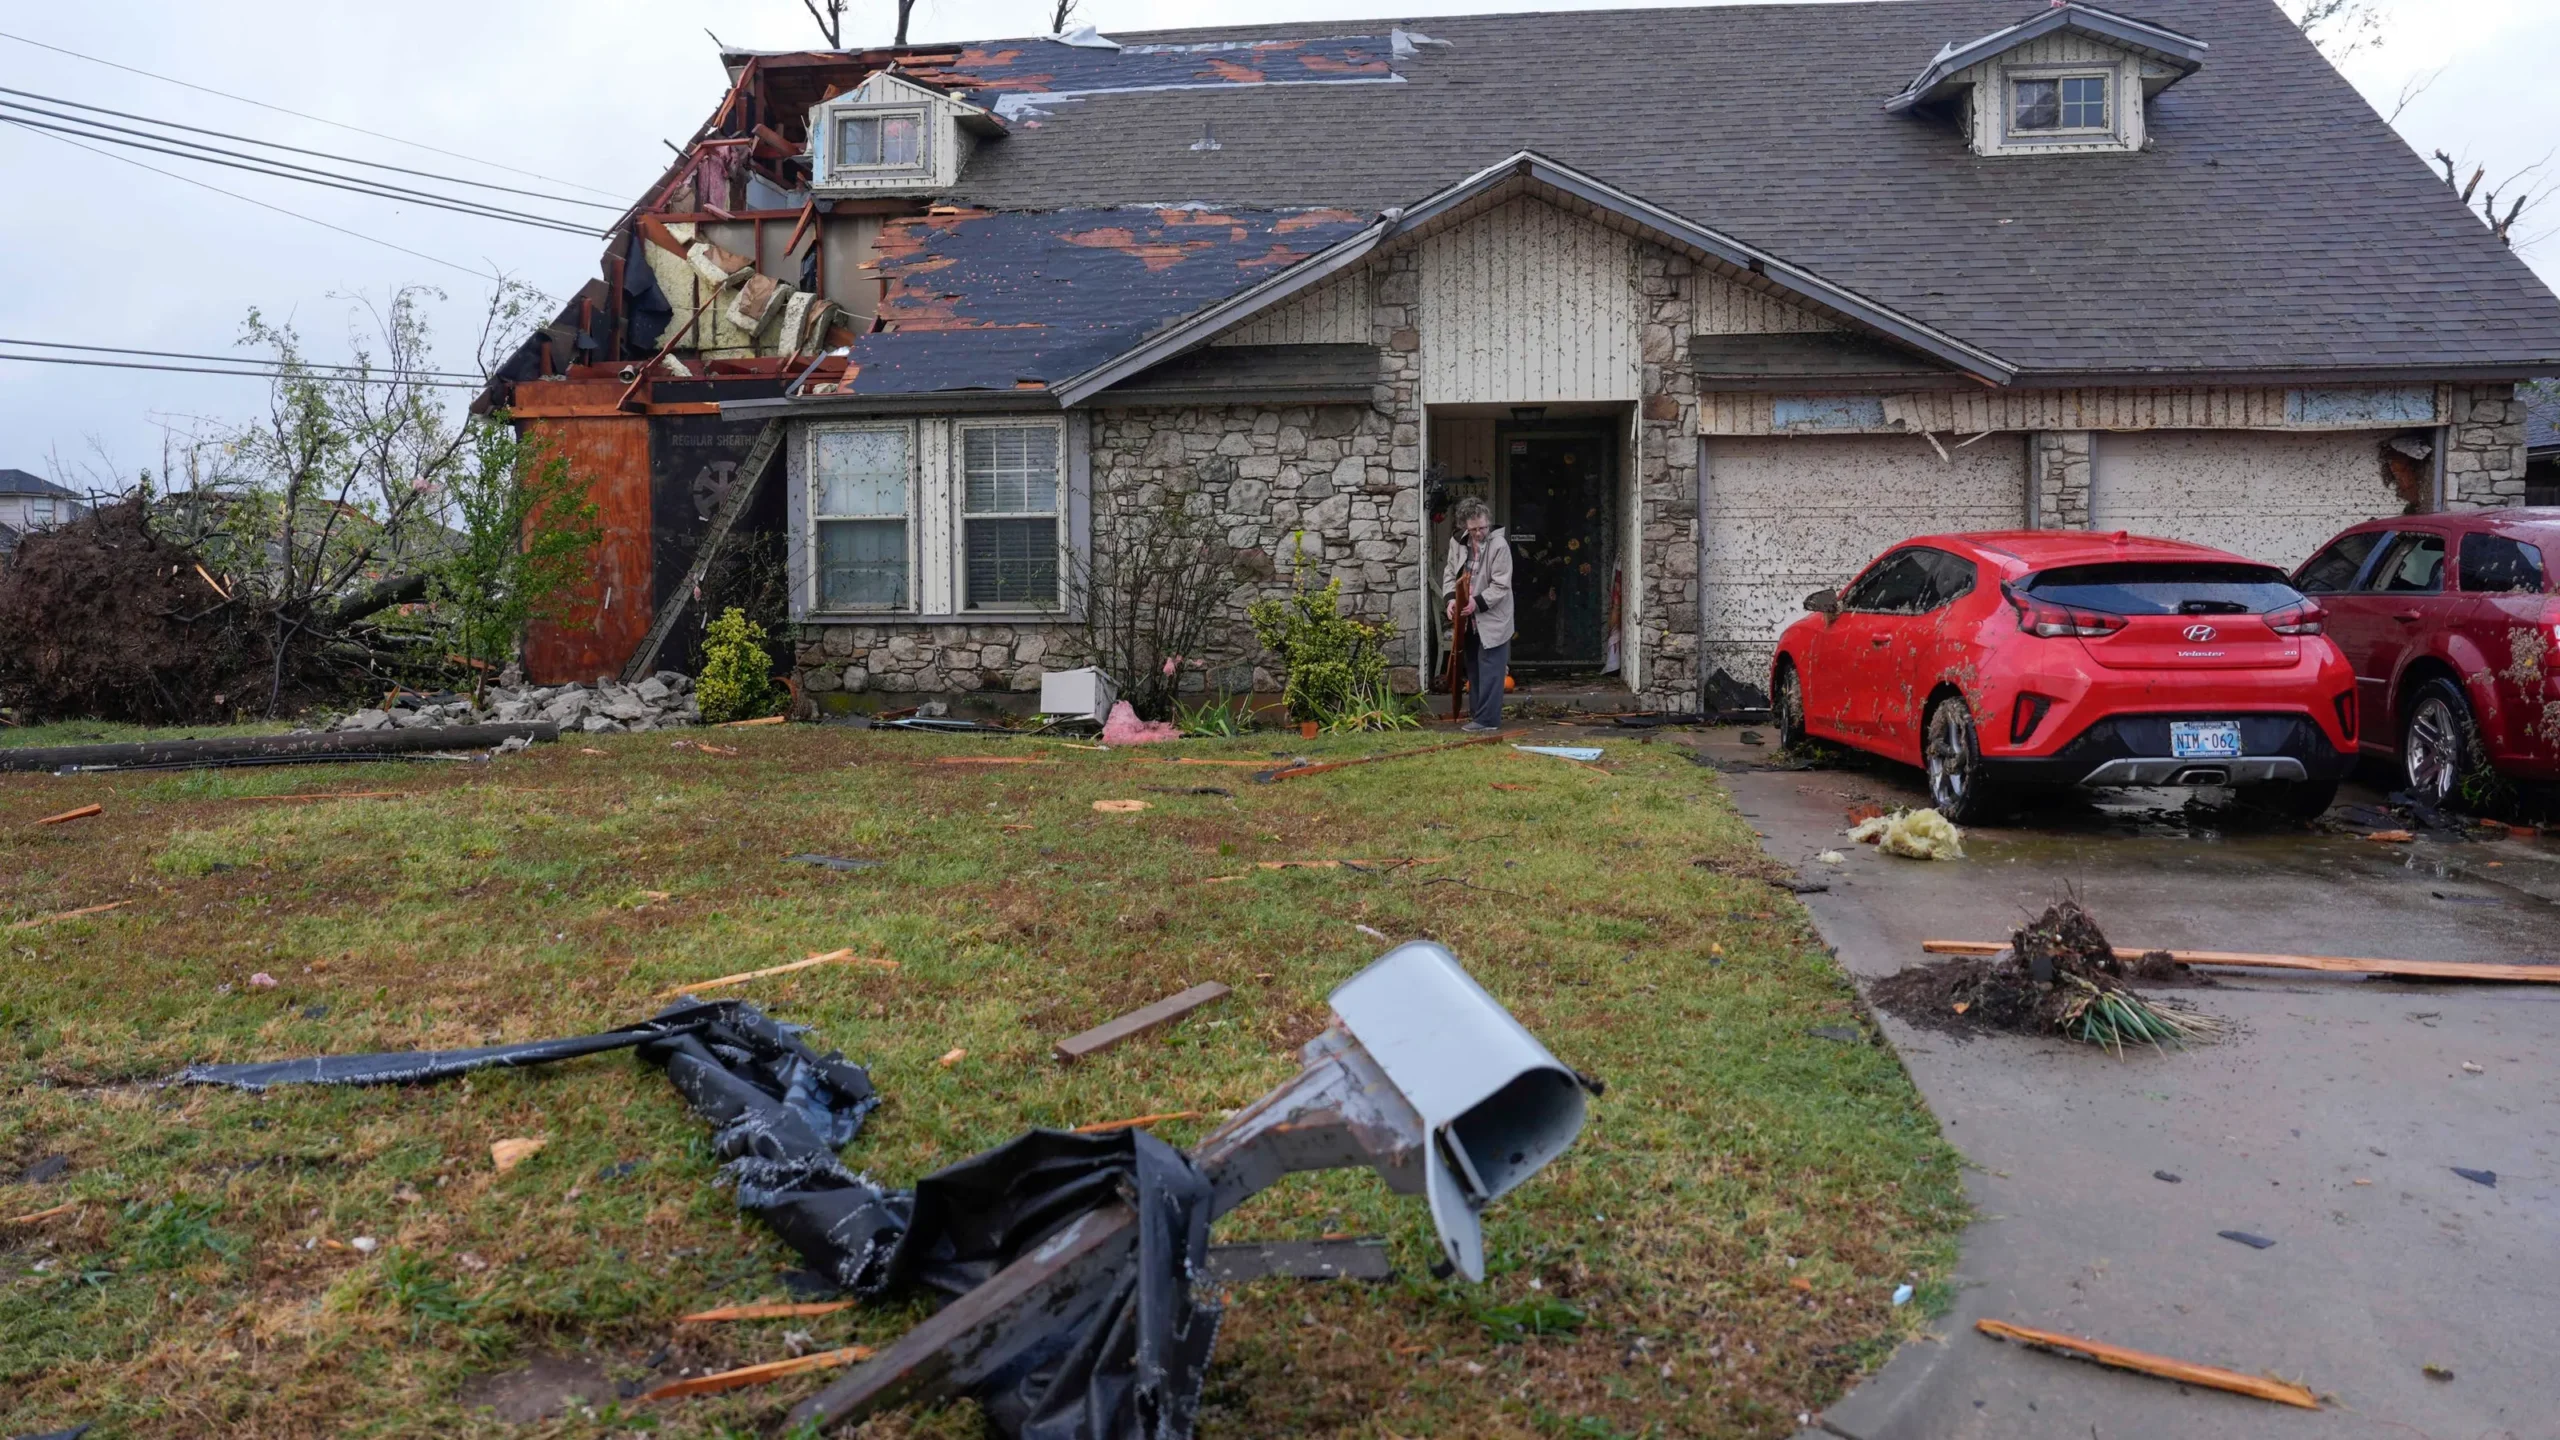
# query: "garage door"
{"type": "Point", "coordinates": [1785, 517]}
{"type": "Point", "coordinates": [2269, 495]}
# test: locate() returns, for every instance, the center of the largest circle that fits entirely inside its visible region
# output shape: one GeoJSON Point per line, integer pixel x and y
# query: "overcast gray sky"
{"type": "Point", "coordinates": [103, 253]}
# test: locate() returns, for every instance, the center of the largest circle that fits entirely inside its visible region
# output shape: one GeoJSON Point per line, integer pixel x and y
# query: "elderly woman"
{"type": "Point", "coordinates": [1479, 551]}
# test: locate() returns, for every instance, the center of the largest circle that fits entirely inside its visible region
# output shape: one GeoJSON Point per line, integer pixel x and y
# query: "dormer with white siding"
{"type": "Point", "coordinates": [892, 136]}
{"type": "Point", "coordinates": [2072, 80]}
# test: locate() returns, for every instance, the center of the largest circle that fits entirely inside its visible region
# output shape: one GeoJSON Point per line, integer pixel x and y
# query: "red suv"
{"type": "Point", "coordinates": [2450, 624]}
{"type": "Point", "coordinates": [2016, 659]}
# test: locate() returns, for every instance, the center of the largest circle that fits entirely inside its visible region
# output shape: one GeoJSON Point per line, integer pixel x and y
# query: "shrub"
{"type": "Point", "coordinates": [737, 680]}
{"type": "Point", "coordinates": [1336, 666]}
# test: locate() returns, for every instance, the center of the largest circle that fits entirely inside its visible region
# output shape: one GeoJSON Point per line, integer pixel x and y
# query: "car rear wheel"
{"type": "Point", "coordinates": [1786, 705]}
{"type": "Point", "coordinates": [1958, 788]}
{"type": "Point", "coordinates": [2439, 743]}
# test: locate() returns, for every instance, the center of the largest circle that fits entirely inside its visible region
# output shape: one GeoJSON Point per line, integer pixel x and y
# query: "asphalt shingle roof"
{"type": "Point", "coordinates": [2275, 224]}
{"type": "Point", "coordinates": [19, 482]}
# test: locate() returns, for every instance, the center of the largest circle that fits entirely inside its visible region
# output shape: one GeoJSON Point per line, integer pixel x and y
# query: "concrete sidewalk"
{"type": "Point", "coordinates": [2326, 1083]}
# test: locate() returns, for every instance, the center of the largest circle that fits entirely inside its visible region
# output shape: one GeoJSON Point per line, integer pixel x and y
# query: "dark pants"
{"type": "Point", "coordinates": [1487, 665]}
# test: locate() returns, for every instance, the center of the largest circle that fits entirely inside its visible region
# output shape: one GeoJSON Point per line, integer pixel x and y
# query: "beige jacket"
{"type": "Point", "coordinates": [1492, 586]}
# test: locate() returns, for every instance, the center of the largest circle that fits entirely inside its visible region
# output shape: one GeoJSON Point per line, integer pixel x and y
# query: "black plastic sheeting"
{"type": "Point", "coordinates": [1129, 1368]}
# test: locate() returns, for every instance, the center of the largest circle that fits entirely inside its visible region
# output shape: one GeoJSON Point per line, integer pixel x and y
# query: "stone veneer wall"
{"type": "Point", "coordinates": [1667, 482]}
{"type": "Point", "coordinates": [1342, 482]}
{"type": "Point", "coordinates": [2484, 451]}
{"type": "Point", "coordinates": [2058, 464]}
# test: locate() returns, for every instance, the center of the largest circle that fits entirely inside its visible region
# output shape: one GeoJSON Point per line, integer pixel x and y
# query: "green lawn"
{"type": "Point", "coordinates": [1716, 1254]}
{"type": "Point", "coordinates": [112, 732]}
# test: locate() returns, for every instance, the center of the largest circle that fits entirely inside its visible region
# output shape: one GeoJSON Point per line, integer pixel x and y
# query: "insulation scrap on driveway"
{"type": "Point", "coordinates": [1131, 1368]}
{"type": "Point", "coordinates": [1912, 834]}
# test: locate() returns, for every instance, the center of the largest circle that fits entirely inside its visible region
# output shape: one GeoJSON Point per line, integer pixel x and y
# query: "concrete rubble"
{"type": "Point", "coordinates": [664, 701]}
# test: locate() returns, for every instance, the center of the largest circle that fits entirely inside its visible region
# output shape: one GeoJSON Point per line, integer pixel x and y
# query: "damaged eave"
{"type": "Point", "coordinates": [931, 402]}
{"type": "Point", "coordinates": [2180, 52]}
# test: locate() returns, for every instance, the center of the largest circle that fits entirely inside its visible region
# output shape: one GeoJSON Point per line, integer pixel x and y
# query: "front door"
{"type": "Point", "coordinates": [1558, 493]}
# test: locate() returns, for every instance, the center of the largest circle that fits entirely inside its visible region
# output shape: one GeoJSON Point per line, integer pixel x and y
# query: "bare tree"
{"type": "Point", "coordinates": [905, 9]}
{"type": "Point", "coordinates": [1065, 12]}
{"type": "Point", "coordinates": [830, 20]}
{"type": "Point", "coordinates": [2339, 27]}
{"type": "Point", "coordinates": [2500, 224]}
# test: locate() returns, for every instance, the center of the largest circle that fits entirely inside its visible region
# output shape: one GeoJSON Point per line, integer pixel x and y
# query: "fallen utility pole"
{"type": "Point", "coordinates": [346, 745]}
{"type": "Point", "coordinates": [1292, 772]}
{"type": "Point", "coordinates": [2283, 1392]}
{"type": "Point", "coordinates": [2335, 964]}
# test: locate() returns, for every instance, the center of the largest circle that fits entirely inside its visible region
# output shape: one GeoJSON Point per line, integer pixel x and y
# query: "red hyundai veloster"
{"type": "Point", "coordinates": [2009, 660]}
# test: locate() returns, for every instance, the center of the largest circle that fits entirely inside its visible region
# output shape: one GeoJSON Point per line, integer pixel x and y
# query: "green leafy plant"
{"type": "Point", "coordinates": [1221, 717]}
{"type": "Point", "coordinates": [736, 681]}
{"type": "Point", "coordinates": [1336, 666]}
{"type": "Point", "coordinates": [528, 533]}
{"type": "Point", "coordinates": [1378, 708]}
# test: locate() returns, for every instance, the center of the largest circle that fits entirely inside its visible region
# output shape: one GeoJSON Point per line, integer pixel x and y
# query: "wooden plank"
{"type": "Point", "coordinates": [83, 813]}
{"type": "Point", "coordinates": [2333, 964]}
{"type": "Point", "coordinates": [2283, 1392]}
{"type": "Point", "coordinates": [765, 1312]}
{"type": "Point", "coordinates": [830, 958]}
{"type": "Point", "coordinates": [1138, 1022]}
{"type": "Point", "coordinates": [743, 724]}
{"type": "Point", "coordinates": [757, 1374]}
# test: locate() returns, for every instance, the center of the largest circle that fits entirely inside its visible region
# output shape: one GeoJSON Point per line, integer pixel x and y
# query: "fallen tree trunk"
{"type": "Point", "coordinates": [399, 590]}
{"type": "Point", "coordinates": [270, 749]}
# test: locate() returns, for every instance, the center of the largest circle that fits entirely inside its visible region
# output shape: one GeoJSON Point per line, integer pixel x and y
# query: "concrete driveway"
{"type": "Point", "coordinates": [2330, 1123]}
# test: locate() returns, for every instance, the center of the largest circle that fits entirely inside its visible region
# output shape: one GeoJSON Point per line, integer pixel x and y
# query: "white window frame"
{"type": "Point", "coordinates": [961, 516]}
{"type": "Point", "coordinates": [839, 167]}
{"type": "Point", "coordinates": [42, 511]}
{"type": "Point", "coordinates": [2107, 76]}
{"type": "Point", "coordinates": [815, 486]}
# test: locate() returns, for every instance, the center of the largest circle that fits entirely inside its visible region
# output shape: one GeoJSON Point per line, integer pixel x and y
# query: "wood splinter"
{"type": "Point", "coordinates": [832, 957]}
{"type": "Point", "coordinates": [2283, 1392]}
{"type": "Point", "coordinates": [757, 1374]}
{"type": "Point", "coordinates": [83, 813]}
{"type": "Point", "coordinates": [765, 1312]}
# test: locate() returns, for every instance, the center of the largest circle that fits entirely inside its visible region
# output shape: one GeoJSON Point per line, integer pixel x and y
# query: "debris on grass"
{"type": "Point", "coordinates": [2283, 1392]}
{"type": "Point", "coordinates": [1912, 834]}
{"type": "Point", "coordinates": [833, 862]}
{"type": "Point", "coordinates": [2059, 976]}
{"type": "Point", "coordinates": [1125, 728]}
{"type": "Point", "coordinates": [952, 1057]}
{"type": "Point", "coordinates": [1105, 1126]}
{"type": "Point", "coordinates": [63, 1209]}
{"type": "Point", "coordinates": [757, 1374]}
{"type": "Point", "coordinates": [508, 1154]}
{"type": "Point", "coordinates": [262, 981]}
{"type": "Point", "coordinates": [1584, 754]}
{"type": "Point", "coordinates": [69, 914]}
{"type": "Point", "coordinates": [765, 1312]}
{"type": "Point", "coordinates": [1119, 807]}
{"type": "Point", "coordinates": [832, 957]}
{"type": "Point", "coordinates": [1296, 768]}
{"type": "Point", "coordinates": [83, 813]}
{"type": "Point", "coordinates": [1138, 1022]}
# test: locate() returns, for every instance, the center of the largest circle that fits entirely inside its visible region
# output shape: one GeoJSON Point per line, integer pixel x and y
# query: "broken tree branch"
{"type": "Point", "coordinates": [2334, 964]}
{"type": "Point", "coordinates": [2213, 1377]}
{"type": "Point", "coordinates": [757, 1374]}
{"type": "Point", "coordinates": [1291, 772]}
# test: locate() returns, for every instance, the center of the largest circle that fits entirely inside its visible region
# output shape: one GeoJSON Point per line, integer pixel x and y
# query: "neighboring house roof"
{"type": "Point", "coordinates": [2276, 226]}
{"type": "Point", "coordinates": [19, 482]}
{"type": "Point", "coordinates": [2541, 418]}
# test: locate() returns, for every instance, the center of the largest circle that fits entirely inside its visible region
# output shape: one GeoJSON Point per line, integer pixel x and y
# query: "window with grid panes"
{"type": "Point", "coordinates": [862, 485]}
{"type": "Point", "coordinates": [1009, 514]}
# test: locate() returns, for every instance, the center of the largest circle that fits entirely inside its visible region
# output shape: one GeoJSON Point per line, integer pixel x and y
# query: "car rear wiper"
{"type": "Point", "coordinates": [2213, 607]}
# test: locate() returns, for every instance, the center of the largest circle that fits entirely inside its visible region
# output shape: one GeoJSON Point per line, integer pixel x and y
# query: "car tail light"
{"type": "Point", "coordinates": [2026, 715]}
{"type": "Point", "coordinates": [2038, 617]}
{"type": "Point", "coordinates": [2306, 618]}
{"type": "Point", "coordinates": [2346, 703]}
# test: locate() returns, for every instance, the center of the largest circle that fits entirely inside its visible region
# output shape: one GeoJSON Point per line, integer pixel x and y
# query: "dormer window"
{"type": "Point", "coordinates": [2059, 104]}
{"type": "Point", "coordinates": [889, 141]}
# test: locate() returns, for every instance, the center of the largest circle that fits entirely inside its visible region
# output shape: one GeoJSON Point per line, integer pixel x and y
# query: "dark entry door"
{"type": "Point", "coordinates": [1560, 490]}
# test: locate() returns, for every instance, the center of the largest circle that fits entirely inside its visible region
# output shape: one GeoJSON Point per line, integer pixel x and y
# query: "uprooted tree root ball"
{"type": "Point", "coordinates": [2058, 977]}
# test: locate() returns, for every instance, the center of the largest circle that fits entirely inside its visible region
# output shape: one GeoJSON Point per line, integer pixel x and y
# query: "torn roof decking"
{"type": "Point", "coordinates": [1009, 300]}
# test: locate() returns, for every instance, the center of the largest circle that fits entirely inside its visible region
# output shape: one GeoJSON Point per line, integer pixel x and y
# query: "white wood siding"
{"type": "Point", "coordinates": [1989, 98]}
{"type": "Point", "coordinates": [1334, 313]}
{"type": "Point", "coordinates": [1728, 307]}
{"type": "Point", "coordinates": [1970, 412]}
{"type": "Point", "coordinates": [1786, 517]}
{"type": "Point", "coordinates": [2272, 497]}
{"type": "Point", "coordinates": [1527, 304]}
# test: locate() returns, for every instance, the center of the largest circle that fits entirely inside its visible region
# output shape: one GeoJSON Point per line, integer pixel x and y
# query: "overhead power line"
{"type": "Point", "coordinates": [303, 115]}
{"type": "Point", "coordinates": [244, 374]}
{"type": "Point", "coordinates": [284, 170]}
{"type": "Point", "coordinates": [226, 359]}
{"type": "Point", "coordinates": [293, 149]}
{"type": "Point", "coordinates": [489, 274]}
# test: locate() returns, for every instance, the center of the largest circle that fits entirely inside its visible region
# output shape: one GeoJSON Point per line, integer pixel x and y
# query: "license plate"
{"type": "Point", "coordinates": [2204, 739]}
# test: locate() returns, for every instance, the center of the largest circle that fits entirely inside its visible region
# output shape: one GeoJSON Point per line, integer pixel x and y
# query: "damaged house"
{"type": "Point", "coordinates": [1711, 304]}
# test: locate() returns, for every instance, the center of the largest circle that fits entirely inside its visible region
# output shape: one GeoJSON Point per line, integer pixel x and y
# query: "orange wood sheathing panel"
{"type": "Point", "coordinates": [612, 455]}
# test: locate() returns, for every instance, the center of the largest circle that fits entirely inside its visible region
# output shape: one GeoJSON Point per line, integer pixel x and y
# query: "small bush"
{"type": "Point", "coordinates": [736, 681]}
{"type": "Point", "coordinates": [1336, 666]}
